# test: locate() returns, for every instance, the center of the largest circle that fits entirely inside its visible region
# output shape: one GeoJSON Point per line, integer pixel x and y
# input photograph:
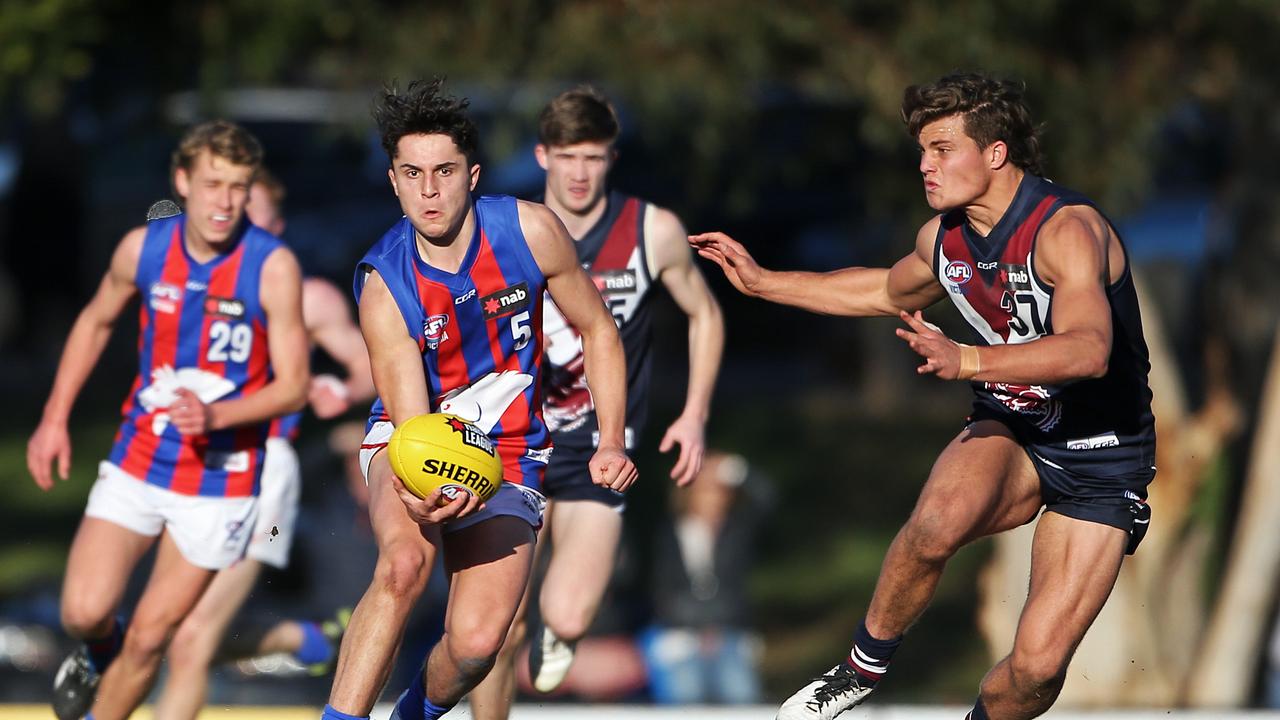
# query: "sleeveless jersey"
{"type": "Point", "coordinates": [286, 426]}
{"type": "Point", "coordinates": [613, 253]}
{"type": "Point", "coordinates": [201, 326]}
{"type": "Point", "coordinates": [993, 282]}
{"type": "Point", "coordinates": [479, 331]}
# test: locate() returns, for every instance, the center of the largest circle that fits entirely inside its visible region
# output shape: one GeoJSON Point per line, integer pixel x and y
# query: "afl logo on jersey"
{"type": "Point", "coordinates": [958, 272]}
{"type": "Point", "coordinates": [165, 297]}
{"type": "Point", "coordinates": [433, 330]}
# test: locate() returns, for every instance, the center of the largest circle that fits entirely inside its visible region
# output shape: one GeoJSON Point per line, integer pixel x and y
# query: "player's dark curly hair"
{"type": "Point", "coordinates": [993, 109]}
{"type": "Point", "coordinates": [423, 109]}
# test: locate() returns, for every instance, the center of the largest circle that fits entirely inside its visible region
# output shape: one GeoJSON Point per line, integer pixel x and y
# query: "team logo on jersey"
{"type": "Point", "coordinates": [471, 435]}
{"type": "Point", "coordinates": [433, 330]}
{"type": "Point", "coordinates": [224, 307]}
{"type": "Point", "coordinates": [165, 297]}
{"type": "Point", "coordinates": [505, 302]}
{"type": "Point", "coordinates": [958, 272]}
{"type": "Point", "coordinates": [615, 282]}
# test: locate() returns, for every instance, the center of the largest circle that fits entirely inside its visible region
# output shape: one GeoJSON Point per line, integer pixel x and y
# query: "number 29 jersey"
{"type": "Point", "coordinates": [1102, 425]}
{"type": "Point", "coordinates": [201, 326]}
{"type": "Point", "coordinates": [479, 331]}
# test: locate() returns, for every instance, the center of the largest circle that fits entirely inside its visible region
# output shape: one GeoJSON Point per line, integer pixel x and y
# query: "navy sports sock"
{"type": "Point", "coordinates": [104, 650]}
{"type": "Point", "coordinates": [414, 705]}
{"type": "Point", "coordinates": [869, 656]}
{"type": "Point", "coordinates": [331, 714]}
{"type": "Point", "coordinates": [316, 647]}
{"type": "Point", "coordinates": [979, 711]}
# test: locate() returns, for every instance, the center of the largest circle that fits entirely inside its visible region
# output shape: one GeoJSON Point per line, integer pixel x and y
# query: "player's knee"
{"type": "Point", "coordinates": [85, 618]}
{"type": "Point", "coordinates": [189, 647]}
{"type": "Point", "coordinates": [475, 643]}
{"type": "Point", "coordinates": [145, 642]}
{"type": "Point", "coordinates": [1038, 673]}
{"type": "Point", "coordinates": [402, 571]}
{"type": "Point", "coordinates": [930, 537]}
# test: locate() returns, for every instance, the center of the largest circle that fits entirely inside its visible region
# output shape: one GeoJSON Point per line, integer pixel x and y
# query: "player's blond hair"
{"type": "Point", "coordinates": [221, 138]}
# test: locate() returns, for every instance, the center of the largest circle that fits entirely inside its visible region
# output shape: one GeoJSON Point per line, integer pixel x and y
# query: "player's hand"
{"type": "Point", "coordinates": [611, 468]}
{"type": "Point", "coordinates": [49, 442]}
{"type": "Point", "coordinates": [429, 511]}
{"type": "Point", "coordinates": [733, 259]}
{"type": "Point", "coordinates": [328, 396]}
{"type": "Point", "coordinates": [189, 415]}
{"type": "Point", "coordinates": [941, 354]}
{"type": "Point", "coordinates": [687, 432]}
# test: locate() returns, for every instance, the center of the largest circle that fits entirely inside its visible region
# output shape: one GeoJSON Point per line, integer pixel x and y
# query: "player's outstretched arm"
{"type": "Point", "coordinates": [581, 304]}
{"type": "Point", "coordinates": [674, 266]}
{"type": "Point", "coordinates": [396, 364]}
{"type": "Point", "coordinates": [849, 292]}
{"type": "Point", "coordinates": [84, 346]}
{"type": "Point", "coordinates": [329, 325]}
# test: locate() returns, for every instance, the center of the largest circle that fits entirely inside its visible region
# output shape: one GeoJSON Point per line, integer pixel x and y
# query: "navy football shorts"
{"type": "Point", "coordinates": [1068, 488]}
{"type": "Point", "coordinates": [569, 478]}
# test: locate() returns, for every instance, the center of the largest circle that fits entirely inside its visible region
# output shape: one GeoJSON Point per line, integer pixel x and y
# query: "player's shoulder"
{"type": "Point", "coordinates": [1075, 220]}
{"type": "Point", "coordinates": [660, 220]}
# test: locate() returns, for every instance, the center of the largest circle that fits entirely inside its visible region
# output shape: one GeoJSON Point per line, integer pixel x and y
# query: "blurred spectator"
{"type": "Point", "coordinates": [700, 648]}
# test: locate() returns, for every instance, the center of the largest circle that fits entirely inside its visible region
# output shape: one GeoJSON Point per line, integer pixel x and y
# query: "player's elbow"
{"type": "Point", "coordinates": [295, 392]}
{"type": "Point", "coordinates": [1094, 361]}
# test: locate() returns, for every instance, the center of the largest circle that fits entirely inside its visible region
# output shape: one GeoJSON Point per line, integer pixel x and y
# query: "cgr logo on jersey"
{"type": "Point", "coordinates": [464, 296]}
{"type": "Point", "coordinates": [224, 307]}
{"type": "Point", "coordinates": [471, 435]}
{"type": "Point", "coordinates": [165, 297]}
{"type": "Point", "coordinates": [615, 282]}
{"type": "Point", "coordinates": [505, 302]}
{"type": "Point", "coordinates": [433, 330]}
{"type": "Point", "coordinates": [958, 272]}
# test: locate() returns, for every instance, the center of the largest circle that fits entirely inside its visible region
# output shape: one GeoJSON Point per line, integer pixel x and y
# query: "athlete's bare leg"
{"type": "Point", "coordinates": [198, 637]}
{"type": "Point", "coordinates": [584, 546]}
{"type": "Point", "coordinates": [377, 625]}
{"type": "Point", "coordinates": [1074, 565]}
{"type": "Point", "coordinates": [174, 588]}
{"type": "Point", "coordinates": [981, 484]}
{"type": "Point", "coordinates": [489, 565]}
{"type": "Point", "coordinates": [103, 556]}
{"type": "Point", "coordinates": [493, 697]}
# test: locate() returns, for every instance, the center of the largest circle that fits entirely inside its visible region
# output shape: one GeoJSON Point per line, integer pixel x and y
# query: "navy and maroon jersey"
{"type": "Point", "coordinates": [993, 282]}
{"type": "Point", "coordinates": [201, 326]}
{"type": "Point", "coordinates": [614, 254]}
{"type": "Point", "coordinates": [479, 331]}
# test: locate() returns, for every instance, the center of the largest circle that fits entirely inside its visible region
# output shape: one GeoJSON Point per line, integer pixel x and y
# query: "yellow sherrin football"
{"type": "Point", "coordinates": [443, 451]}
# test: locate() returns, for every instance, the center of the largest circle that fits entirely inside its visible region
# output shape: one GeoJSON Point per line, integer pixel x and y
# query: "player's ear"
{"type": "Point", "coordinates": [540, 154]}
{"type": "Point", "coordinates": [182, 182]}
{"type": "Point", "coordinates": [998, 154]}
{"type": "Point", "coordinates": [475, 176]}
{"type": "Point", "coordinates": [391, 175]}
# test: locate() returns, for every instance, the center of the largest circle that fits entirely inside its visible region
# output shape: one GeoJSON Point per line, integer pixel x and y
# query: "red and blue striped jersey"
{"type": "Point", "coordinates": [993, 282]}
{"type": "Point", "coordinates": [479, 331]}
{"type": "Point", "coordinates": [285, 426]}
{"type": "Point", "coordinates": [201, 326]}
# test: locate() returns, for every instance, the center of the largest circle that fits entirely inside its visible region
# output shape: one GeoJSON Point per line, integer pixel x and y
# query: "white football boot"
{"type": "Point", "coordinates": [826, 696]}
{"type": "Point", "coordinates": [549, 661]}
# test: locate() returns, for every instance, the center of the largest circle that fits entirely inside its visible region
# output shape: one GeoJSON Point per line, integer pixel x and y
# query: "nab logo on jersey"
{"type": "Point", "coordinates": [505, 302]}
{"type": "Point", "coordinates": [615, 282]}
{"type": "Point", "coordinates": [958, 272]}
{"type": "Point", "coordinates": [433, 330]}
{"type": "Point", "coordinates": [224, 307]}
